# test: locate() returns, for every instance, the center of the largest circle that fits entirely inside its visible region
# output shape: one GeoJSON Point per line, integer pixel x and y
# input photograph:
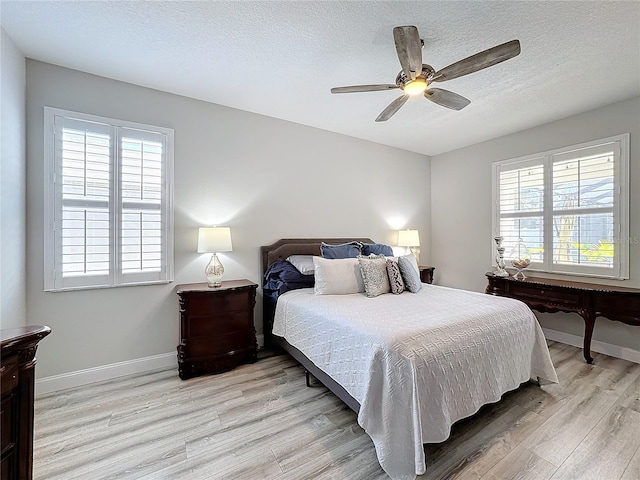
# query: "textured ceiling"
{"type": "Point", "coordinates": [281, 58]}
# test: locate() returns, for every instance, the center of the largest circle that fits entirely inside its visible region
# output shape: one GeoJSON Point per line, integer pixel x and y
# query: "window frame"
{"type": "Point", "coordinates": [53, 278]}
{"type": "Point", "coordinates": [620, 270]}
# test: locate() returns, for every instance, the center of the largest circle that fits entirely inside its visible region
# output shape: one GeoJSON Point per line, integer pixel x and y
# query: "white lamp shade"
{"type": "Point", "coordinates": [408, 238]}
{"type": "Point", "coordinates": [214, 239]}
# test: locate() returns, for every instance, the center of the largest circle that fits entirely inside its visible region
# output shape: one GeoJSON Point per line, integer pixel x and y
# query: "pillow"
{"type": "Point", "coordinates": [282, 276]}
{"type": "Point", "coordinates": [376, 249]}
{"type": "Point", "coordinates": [337, 276]}
{"type": "Point", "coordinates": [344, 250]}
{"type": "Point", "coordinates": [410, 272]}
{"type": "Point", "coordinates": [374, 274]}
{"type": "Point", "coordinates": [395, 277]}
{"type": "Point", "coordinates": [304, 263]}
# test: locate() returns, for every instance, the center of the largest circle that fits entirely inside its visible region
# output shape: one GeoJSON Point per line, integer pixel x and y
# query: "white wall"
{"type": "Point", "coordinates": [265, 178]}
{"type": "Point", "coordinates": [461, 206]}
{"type": "Point", "coordinates": [13, 174]}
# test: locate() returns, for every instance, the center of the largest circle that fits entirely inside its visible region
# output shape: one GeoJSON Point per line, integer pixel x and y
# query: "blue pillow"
{"type": "Point", "coordinates": [376, 249]}
{"type": "Point", "coordinates": [282, 276]}
{"type": "Point", "coordinates": [344, 250]}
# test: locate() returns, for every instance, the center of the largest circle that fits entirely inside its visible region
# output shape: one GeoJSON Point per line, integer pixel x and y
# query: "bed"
{"type": "Point", "coordinates": [412, 364]}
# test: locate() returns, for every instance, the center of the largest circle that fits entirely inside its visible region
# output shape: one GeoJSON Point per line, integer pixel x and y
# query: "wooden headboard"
{"type": "Point", "coordinates": [281, 249]}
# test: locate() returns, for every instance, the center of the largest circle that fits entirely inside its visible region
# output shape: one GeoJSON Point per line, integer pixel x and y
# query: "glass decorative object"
{"type": "Point", "coordinates": [499, 269]}
{"type": "Point", "coordinates": [520, 259]}
{"type": "Point", "coordinates": [214, 272]}
{"type": "Point", "coordinates": [213, 240]}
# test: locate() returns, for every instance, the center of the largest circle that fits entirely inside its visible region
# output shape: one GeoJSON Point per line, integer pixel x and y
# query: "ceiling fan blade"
{"type": "Point", "coordinates": [476, 62]}
{"type": "Point", "coordinates": [409, 49]}
{"type": "Point", "coordinates": [446, 98]}
{"type": "Point", "coordinates": [393, 107]}
{"type": "Point", "coordinates": [363, 88]}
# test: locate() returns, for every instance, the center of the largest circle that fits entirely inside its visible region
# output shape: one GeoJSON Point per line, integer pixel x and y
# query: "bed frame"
{"type": "Point", "coordinates": [280, 250]}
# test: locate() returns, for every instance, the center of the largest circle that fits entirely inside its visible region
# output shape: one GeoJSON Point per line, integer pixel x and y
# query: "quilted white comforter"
{"type": "Point", "coordinates": [416, 362]}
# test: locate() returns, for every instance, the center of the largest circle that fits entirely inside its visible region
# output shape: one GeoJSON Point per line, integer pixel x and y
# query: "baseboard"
{"type": "Point", "coordinates": [106, 372]}
{"type": "Point", "coordinates": [601, 347]}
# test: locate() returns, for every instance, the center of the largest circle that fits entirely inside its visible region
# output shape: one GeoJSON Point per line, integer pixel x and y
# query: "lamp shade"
{"type": "Point", "coordinates": [214, 239]}
{"type": "Point", "coordinates": [408, 238]}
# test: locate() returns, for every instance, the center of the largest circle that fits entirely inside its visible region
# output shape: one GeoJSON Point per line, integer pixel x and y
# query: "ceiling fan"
{"type": "Point", "coordinates": [415, 77]}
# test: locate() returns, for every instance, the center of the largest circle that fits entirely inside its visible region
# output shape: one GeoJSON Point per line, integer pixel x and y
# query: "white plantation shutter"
{"type": "Point", "coordinates": [521, 208]}
{"type": "Point", "coordinates": [109, 202]}
{"type": "Point", "coordinates": [569, 207]}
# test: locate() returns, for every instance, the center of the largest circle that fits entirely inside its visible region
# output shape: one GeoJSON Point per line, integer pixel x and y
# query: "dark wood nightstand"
{"type": "Point", "coordinates": [216, 327]}
{"type": "Point", "coordinates": [426, 274]}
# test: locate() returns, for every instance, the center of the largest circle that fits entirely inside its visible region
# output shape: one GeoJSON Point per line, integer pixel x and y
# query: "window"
{"type": "Point", "coordinates": [570, 207]}
{"type": "Point", "coordinates": [108, 202]}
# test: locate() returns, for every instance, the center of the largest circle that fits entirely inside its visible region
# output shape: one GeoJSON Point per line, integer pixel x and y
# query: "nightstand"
{"type": "Point", "coordinates": [426, 274]}
{"type": "Point", "coordinates": [216, 327]}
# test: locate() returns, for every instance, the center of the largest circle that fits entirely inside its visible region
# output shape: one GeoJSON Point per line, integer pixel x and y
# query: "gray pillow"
{"type": "Point", "coordinates": [374, 274]}
{"type": "Point", "coordinates": [304, 263]}
{"type": "Point", "coordinates": [395, 277]}
{"type": "Point", "coordinates": [410, 272]}
{"type": "Point", "coordinates": [344, 250]}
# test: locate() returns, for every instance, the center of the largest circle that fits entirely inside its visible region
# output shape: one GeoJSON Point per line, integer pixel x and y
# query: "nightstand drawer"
{"type": "Point", "coordinates": [203, 304]}
{"type": "Point", "coordinates": [7, 432]}
{"type": "Point", "coordinates": [222, 345]}
{"type": "Point", "coordinates": [213, 326]}
{"type": "Point", "coordinates": [9, 374]}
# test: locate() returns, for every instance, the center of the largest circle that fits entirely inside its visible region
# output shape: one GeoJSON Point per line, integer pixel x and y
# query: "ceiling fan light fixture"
{"type": "Point", "coordinates": [416, 87]}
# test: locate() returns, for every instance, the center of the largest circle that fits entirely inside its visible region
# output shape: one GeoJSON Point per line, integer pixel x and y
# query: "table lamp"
{"type": "Point", "coordinates": [410, 239]}
{"type": "Point", "coordinates": [213, 240]}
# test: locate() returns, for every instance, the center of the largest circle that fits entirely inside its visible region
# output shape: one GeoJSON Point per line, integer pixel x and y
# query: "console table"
{"type": "Point", "coordinates": [587, 300]}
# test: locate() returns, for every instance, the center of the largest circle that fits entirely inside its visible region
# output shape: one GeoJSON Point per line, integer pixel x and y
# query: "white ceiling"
{"type": "Point", "coordinates": [281, 58]}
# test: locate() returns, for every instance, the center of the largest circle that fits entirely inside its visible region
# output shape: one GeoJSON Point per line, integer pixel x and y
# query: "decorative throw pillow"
{"type": "Point", "coordinates": [304, 263]}
{"type": "Point", "coordinates": [410, 272]}
{"type": "Point", "coordinates": [395, 277]}
{"type": "Point", "coordinates": [337, 276]}
{"type": "Point", "coordinates": [344, 250]}
{"type": "Point", "coordinates": [376, 249]}
{"type": "Point", "coordinates": [374, 274]}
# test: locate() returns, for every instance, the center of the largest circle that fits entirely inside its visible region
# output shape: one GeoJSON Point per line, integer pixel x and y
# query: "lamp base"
{"type": "Point", "coordinates": [416, 253]}
{"type": "Point", "coordinates": [214, 272]}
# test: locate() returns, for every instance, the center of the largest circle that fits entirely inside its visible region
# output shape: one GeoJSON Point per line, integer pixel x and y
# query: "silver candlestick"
{"type": "Point", "coordinates": [499, 269]}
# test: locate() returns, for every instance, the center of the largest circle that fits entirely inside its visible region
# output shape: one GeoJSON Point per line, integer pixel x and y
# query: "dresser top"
{"type": "Point", "coordinates": [13, 336]}
{"type": "Point", "coordinates": [203, 287]}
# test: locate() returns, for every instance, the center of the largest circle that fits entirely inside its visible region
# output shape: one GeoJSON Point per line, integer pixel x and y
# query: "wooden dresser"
{"type": "Point", "coordinates": [216, 327]}
{"type": "Point", "coordinates": [18, 350]}
{"type": "Point", "coordinates": [586, 299]}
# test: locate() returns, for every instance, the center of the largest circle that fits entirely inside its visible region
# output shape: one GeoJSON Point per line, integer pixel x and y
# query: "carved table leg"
{"type": "Point", "coordinates": [589, 323]}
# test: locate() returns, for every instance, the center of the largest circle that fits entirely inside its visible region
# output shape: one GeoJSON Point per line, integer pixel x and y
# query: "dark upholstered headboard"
{"type": "Point", "coordinates": [298, 246]}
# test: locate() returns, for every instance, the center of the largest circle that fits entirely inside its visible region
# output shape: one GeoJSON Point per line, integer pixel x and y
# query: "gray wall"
{"type": "Point", "coordinates": [461, 206]}
{"type": "Point", "coordinates": [265, 178]}
{"type": "Point", "coordinates": [13, 172]}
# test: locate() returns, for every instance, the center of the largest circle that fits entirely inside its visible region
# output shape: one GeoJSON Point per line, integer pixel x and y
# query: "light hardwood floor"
{"type": "Point", "coordinates": [260, 421]}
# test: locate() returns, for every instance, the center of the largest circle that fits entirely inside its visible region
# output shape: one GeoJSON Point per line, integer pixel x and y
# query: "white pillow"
{"type": "Point", "coordinates": [339, 276]}
{"type": "Point", "coordinates": [304, 263]}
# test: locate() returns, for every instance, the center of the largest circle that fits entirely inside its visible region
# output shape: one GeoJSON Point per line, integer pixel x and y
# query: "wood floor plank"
{"type": "Point", "coordinates": [607, 450]}
{"type": "Point", "coordinates": [632, 472]}
{"type": "Point", "coordinates": [521, 464]}
{"type": "Point", "coordinates": [558, 437]}
{"type": "Point", "coordinates": [260, 421]}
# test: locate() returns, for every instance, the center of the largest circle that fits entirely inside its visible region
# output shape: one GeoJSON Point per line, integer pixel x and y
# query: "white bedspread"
{"type": "Point", "coordinates": [416, 363]}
